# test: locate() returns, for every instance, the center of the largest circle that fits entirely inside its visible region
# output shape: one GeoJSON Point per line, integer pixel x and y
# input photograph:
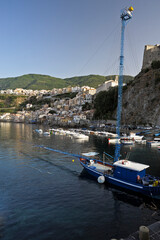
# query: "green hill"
{"type": "Point", "coordinates": [31, 81]}
{"type": "Point", "coordinates": [93, 80]}
{"type": "Point", "coordinates": [37, 81]}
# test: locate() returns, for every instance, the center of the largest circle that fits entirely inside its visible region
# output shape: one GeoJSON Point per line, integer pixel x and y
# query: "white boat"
{"type": "Point", "coordinates": [113, 140]}
{"type": "Point", "coordinates": [112, 135]}
{"type": "Point", "coordinates": [153, 143]}
{"type": "Point", "coordinates": [135, 137]}
{"type": "Point", "coordinates": [40, 131]}
{"type": "Point", "coordinates": [46, 134]}
{"type": "Point", "coordinates": [101, 134]}
{"type": "Point", "coordinates": [81, 136]}
{"type": "Point", "coordinates": [143, 141]}
{"type": "Point", "coordinates": [157, 139]}
{"type": "Point", "coordinates": [127, 140]}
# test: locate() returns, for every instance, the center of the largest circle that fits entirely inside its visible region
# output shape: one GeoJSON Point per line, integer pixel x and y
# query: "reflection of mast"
{"type": "Point", "coordinates": [125, 16]}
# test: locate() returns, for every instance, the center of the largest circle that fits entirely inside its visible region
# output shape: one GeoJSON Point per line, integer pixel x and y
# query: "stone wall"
{"type": "Point", "coordinates": [140, 103]}
{"type": "Point", "coordinates": [151, 53]}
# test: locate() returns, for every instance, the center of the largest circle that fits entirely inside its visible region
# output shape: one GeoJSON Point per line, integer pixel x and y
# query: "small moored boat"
{"type": "Point", "coordinates": [127, 140]}
{"type": "Point", "coordinates": [153, 143]}
{"type": "Point", "coordinates": [123, 173]}
{"type": "Point", "coordinates": [40, 131]}
{"type": "Point", "coordinates": [46, 133]}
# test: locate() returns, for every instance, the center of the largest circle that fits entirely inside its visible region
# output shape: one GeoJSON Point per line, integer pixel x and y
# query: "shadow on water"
{"type": "Point", "coordinates": [136, 200]}
{"type": "Point", "coordinates": [50, 162]}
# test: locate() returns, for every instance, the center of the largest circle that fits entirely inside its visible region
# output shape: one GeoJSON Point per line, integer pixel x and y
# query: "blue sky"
{"type": "Point", "coordinates": [66, 38]}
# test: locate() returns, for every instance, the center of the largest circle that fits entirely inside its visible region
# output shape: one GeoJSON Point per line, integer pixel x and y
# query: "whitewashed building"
{"type": "Point", "coordinates": [107, 85]}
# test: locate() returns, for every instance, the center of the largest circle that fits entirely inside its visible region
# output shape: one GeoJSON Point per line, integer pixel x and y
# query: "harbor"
{"type": "Point", "coordinates": [44, 190]}
{"type": "Point", "coordinates": [80, 151]}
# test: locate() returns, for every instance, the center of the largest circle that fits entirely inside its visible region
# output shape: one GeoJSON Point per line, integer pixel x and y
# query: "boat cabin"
{"type": "Point", "coordinates": [129, 171]}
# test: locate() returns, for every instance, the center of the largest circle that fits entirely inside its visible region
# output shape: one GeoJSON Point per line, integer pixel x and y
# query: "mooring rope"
{"type": "Point", "coordinates": [59, 151]}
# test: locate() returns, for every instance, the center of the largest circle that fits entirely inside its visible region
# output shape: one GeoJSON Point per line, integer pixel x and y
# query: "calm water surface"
{"type": "Point", "coordinates": [45, 195]}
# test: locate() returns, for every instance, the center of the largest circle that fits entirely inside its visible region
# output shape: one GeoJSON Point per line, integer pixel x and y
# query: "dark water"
{"type": "Point", "coordinates": [45, 195]}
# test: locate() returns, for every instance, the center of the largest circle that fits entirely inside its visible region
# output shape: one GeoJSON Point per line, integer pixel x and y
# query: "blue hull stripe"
{"type": "Point", "coordinates": [114, 179]}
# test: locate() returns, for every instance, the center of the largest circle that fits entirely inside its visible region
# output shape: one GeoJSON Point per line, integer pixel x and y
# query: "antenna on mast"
{"type": "Point", "coordinates": [126, 15]}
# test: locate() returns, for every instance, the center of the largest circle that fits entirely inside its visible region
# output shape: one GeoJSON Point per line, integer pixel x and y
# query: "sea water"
{"type": "Point", "coordinates": [47, 195]}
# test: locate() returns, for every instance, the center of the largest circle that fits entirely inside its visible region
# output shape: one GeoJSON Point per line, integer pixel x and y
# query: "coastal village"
{"type": "Point", "coordinates": [73, 106]}
{"type": "Point", "coordinates": [88, 167]}
{"type": "Point", "coordinates": [63, 111]}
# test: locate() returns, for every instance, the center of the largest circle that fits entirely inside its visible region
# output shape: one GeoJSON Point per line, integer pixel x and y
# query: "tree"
{"type": "Point", "coordinates": [105, 103]}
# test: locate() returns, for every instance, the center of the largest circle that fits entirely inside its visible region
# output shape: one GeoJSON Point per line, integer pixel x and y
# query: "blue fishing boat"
{"type": "Point", "coordinates": [122, 172]}
{"type": "Point", "coordinates": [127, 175]}
{"type": "Point", "coordinates": [157, 134]}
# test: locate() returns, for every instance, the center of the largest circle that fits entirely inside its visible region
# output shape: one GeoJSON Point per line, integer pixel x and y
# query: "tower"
{"type": "Point", "coordinates": [151, 53]}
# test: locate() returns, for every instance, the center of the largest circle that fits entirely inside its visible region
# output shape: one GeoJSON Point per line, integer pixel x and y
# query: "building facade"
{"type": "Point", "coordinates": [107, 85]}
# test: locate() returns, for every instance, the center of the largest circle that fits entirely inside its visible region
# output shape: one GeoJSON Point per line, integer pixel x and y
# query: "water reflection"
{"type": "Point", "coordinates": [44, 190]}
{"type": "Point", "coordinates": [16, 131]}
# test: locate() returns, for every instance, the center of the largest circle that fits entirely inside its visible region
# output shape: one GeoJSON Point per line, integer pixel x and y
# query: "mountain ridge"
{"type": "Point", "coordinates": [42, 81]}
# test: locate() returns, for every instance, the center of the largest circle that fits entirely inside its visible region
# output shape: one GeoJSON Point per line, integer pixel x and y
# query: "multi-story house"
{"type": "Point", "coordinates": [107, 85]}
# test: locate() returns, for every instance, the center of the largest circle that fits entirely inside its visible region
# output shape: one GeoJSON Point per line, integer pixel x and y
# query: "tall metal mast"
{"type": "Point", "coordinates": [126, 15]}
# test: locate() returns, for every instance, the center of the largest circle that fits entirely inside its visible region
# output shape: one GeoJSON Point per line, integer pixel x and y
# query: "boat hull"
{"type": "Point", "coordinates": [149, 191]}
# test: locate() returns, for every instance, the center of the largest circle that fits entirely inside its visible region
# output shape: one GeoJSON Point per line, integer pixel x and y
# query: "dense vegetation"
{"type": "Point", "coordinates": [36, 102]}
{"type": "Point", "coordinates": [66, 95]}
{"type": "Point", "coordinates": [9, 103]}
{"type": "Point", "coordinates": [8, 110]}
{"type": "Point", "coordinates": [105, 104]}
{"type": "Point", "coordinates": [87, 106]}
{"type": "Point", "coordinates": [37, 81]}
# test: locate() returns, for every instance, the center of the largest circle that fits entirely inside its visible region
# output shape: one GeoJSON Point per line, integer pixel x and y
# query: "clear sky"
{"type": "Point", "coordinates": [66, 38]}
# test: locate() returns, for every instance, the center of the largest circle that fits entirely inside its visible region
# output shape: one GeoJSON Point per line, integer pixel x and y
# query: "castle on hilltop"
{"type": "Point", "coordinates": [151, 53]}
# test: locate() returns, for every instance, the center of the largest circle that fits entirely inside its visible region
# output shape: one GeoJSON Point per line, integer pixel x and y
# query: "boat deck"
{"type": "Point", "coordinates": [100, 167]}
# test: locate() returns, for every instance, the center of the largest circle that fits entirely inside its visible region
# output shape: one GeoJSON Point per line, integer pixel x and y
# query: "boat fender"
{"type": "Point", "coordinates": [91, 162]}
{"type": "Point", "coordinates": [101, 179]}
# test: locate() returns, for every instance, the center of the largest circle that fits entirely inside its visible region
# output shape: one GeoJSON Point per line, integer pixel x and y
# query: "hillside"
{"type": "Point", "coordinates": [141, 99]}
{"type": "Point", "coordinates": [37, 81]}
{"type": "Point", "coordinates": [31, 81]}
{"type": "Point", "coordinates": [9, 103]}
{"type": "Point", "coordinates": [93, 80]}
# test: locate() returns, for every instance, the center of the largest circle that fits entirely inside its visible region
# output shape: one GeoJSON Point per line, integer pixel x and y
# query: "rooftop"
{"type": "Point", "coordinates": [131, 165]}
